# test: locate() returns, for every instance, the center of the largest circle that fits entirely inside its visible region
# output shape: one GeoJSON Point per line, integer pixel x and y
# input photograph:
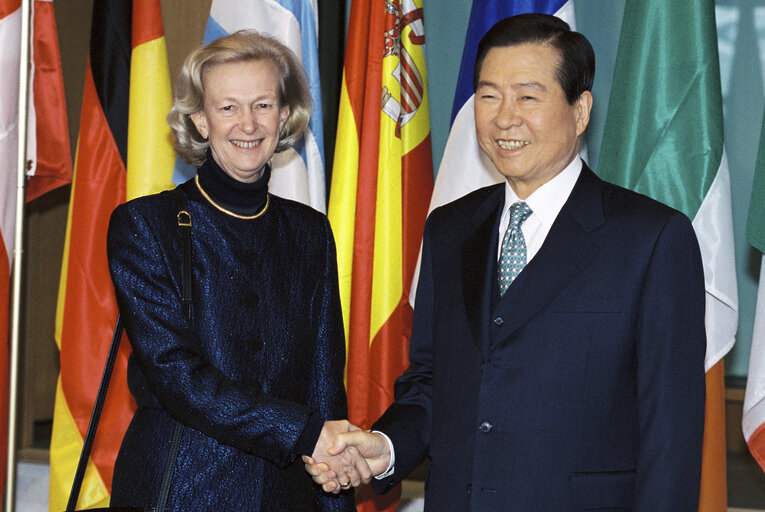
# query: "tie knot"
{"type": "Point", "coordinates": [519, 212]}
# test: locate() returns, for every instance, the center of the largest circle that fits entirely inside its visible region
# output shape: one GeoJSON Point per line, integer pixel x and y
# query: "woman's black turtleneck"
{"type": "Point", "coordinates": [230, 193]}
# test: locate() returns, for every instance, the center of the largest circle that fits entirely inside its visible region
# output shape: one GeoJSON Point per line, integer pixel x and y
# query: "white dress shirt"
{"type": "Point", "coordinates": [545, 203]}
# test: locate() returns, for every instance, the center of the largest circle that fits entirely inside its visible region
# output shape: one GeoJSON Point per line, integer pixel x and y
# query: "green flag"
{"type": "Point", "coordinates": [753, 421]}
{"type": "Point", "coordinates": [755, 223]}
{"type": "Point", "coordinates": [663, 137]}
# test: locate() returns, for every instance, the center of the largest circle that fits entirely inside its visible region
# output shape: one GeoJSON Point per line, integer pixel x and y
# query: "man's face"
{"type": "Point", "coordinates": [523, 122]}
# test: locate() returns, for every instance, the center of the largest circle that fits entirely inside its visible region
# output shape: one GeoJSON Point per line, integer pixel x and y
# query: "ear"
{"type": "Point", "coordinates": [583, 108]}
{"type": "Point", "coordinates": [200, 121]}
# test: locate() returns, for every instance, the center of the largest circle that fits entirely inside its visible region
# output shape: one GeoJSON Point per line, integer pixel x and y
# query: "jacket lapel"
{"type": "Point", "coordinates": [478, 264]}
{"type": "Point", "coordinates": [569, 246]}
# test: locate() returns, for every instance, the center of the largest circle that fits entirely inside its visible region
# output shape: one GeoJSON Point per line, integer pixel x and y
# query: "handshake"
{"type": "Point", "coordinates": [346, 456]}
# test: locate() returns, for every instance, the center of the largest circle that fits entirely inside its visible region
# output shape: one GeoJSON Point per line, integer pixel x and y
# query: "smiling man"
{"type": "Point", "coordinates": [557, 351]}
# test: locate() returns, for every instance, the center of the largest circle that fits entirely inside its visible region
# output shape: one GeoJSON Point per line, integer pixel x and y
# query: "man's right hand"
{"type": "Point", "coordinates": [371, 445]}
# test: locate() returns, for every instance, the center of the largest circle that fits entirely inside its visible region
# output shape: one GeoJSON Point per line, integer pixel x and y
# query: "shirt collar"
{"type": "Point", "coordinates": [547, 201]}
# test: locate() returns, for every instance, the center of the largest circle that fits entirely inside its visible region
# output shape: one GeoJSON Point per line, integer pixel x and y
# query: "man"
{"type": "Point", "coordinates": [577, 381]}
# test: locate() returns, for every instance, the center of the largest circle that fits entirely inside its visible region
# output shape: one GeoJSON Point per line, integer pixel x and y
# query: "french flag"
{"type": "Point", "coordinates": [464, 167]}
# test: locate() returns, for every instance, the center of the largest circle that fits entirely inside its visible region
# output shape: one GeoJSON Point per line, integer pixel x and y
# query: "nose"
{"type": "Point", "coordinates": [247, 121]}
{"type": "Point", "coordinates": [507, 114]}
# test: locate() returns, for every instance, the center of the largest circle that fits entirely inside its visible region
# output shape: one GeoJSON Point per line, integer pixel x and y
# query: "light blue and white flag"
{"type": "Point", "coordinates": [297, 173]}
{"type": "Point", "coordinates": [464, 167]}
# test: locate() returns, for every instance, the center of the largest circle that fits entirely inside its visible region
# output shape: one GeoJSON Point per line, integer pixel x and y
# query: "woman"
{"type": "Point", "coordinates": [257, 373]}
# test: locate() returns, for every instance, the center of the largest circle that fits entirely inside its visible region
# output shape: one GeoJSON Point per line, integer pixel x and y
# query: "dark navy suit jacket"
{"type": "Point", "coordinates": [583, 387]}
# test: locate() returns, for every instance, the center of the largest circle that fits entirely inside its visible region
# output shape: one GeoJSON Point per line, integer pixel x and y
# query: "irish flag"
{"type": "Point", "coordinates": [381, 185]}
{"type": "Point", "coordinates": [663, 137]}
{"type": "Point", "coordinates": [123, 151]}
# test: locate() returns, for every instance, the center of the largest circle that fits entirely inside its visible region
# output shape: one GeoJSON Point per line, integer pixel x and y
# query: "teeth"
{"type": "Point", "coordinates": [245, 145]}
{"type": "Point", "coordinates": [512, 144]}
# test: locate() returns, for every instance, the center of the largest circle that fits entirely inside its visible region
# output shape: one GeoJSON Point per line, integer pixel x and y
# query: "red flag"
{"type": "Point", "coordinates": [48, 147]}
{"type": "Point", "coordinates": [52, 166]}
{"type": "Point", "coordinates": [381, 185]}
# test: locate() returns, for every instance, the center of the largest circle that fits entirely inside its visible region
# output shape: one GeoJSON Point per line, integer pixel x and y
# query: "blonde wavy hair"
{"type": "Point", "coordinates": [241, 46]}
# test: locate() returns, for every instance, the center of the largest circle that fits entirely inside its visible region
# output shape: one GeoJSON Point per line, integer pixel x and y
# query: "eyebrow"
{"type": "Point", "coordinates": [520, 85]}
{"type": "Point", "coordinates": [532, 85]}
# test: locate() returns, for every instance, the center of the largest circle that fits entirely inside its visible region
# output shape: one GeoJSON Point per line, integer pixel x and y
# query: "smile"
{"type": "Point", "coordinates": [245, 145]}
{"type": "Point", "coordinates": [512, 144]}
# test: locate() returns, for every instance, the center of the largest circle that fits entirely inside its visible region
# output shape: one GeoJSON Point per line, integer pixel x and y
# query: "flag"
{"type": "Point", "coordinates": [381, 184]}
{"type": "Point", "coordinates": [48, 153]}
{"type": "Point", "coordinates": [124, 150]}
{"type": "Point", "coordinates": [753, 421]}
{"type": "Point", "coordinates": [663, 137]}
{"type": "Point", "coordinates": [48, 150]}
{"type": "Point", "coordinates": [464, 167]}
{"type": "Point", "coordinates": [10, 34]}
{"type": "Point", "coordinates": [297, 173]}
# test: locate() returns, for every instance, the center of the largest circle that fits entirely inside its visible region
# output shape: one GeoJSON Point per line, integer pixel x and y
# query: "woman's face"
{"type": "Point", "coordinates": [242, 117]}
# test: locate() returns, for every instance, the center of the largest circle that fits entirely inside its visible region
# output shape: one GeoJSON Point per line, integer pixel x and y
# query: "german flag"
{"type": "Point", "coordinates": [381, 186]}
{"type": "Point", "coordinates": [124, 150]}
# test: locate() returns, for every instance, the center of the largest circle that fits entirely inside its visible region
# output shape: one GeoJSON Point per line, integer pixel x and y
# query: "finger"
{"type": "Point", "coordinates": [308, 460]}
{"type": "Point", "coordinates": [348, 479]}
{"type": "Point", "coordinates": [314, 469]}
{"type": "Point", "coordinates": [365, 472]}
{"type": "Point", "coordinates": [354, 465]}
{"type": "Point", "coordinates": [331, 487]}
{"type": "Point", "coordinates": [353, 438]}
{"type": "Point", "coordinates": [321, 473]}
{"type": "Point", "coordinates": [323, 477]}
{"type": "Point", "coordinates": [354, 479]}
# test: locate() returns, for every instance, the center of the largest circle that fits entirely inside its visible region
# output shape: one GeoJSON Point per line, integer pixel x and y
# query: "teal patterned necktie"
{"type": "Point", "coordinates": [512, 259]}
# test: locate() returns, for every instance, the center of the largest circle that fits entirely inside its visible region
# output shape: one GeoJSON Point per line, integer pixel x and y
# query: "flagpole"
{"type": "Point", "coordinates": [24, 63]}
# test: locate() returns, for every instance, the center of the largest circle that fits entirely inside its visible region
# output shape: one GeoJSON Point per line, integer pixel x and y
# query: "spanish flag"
{"type": "Point", "coordinates": [381, 185]}
{"type": "Point", "coordinates": [124, 150]}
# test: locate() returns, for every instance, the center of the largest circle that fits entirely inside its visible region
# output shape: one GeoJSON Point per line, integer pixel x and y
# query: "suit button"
{"type": "Point", "coordinates": [485, 427]}
{"type": "Point", "coordinates": [469, 488]}
{"type": "Point", "coordinates": [499, 321]}
{"type": "Point", "coordinates": [483, 365]}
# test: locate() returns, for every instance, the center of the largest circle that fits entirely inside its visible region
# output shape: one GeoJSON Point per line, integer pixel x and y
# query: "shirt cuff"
{"type": "Point", "coordinates": [391, 467]}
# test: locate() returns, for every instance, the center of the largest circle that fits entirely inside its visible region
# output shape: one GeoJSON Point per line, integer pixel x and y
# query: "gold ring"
{"type": "Point", "coordinates": [345, 485]}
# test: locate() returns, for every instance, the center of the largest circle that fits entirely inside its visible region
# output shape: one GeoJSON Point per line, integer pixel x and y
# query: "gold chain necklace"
{"type": "Point", "coordinates": [229, 212]}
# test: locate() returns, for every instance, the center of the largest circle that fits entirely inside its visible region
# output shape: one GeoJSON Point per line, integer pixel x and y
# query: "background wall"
{"type": "Point", "coordinates": [741, 33]}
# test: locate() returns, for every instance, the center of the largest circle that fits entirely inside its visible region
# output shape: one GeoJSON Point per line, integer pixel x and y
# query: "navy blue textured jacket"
{"type": "Point", "coordinates": [255, 374]}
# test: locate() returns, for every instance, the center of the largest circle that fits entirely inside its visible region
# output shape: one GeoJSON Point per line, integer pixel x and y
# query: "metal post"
{"type": "Point", "coordinates": [13, 376]}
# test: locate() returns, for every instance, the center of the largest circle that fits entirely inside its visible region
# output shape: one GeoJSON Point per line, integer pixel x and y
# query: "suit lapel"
{"type": "Point", "coordinates": [478, 264]}
{"type": "Point", "coordinates": [569, 246]}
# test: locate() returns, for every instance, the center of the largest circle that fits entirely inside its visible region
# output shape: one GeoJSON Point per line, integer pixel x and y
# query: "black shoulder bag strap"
{"type": "Point", "coordinates": [184, 225]}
